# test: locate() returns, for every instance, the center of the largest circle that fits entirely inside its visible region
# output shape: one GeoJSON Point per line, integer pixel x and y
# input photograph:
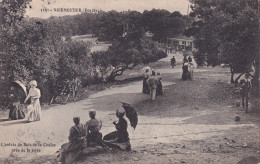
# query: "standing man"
{"type": "Point", "coordinates": [190, 59]}
{"type": "Point", "coordinates": [245, 87]}
{"type": "Point", "coordinates": [152, 82]}
{"type": "Point", "coordinates": [185, 60]}
{"type": "Point", "coordinates": [146, 77]}
{"type": "Point", "coordinates": [173, 61]}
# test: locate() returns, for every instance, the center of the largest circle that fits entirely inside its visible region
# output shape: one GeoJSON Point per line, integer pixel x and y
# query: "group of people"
{"type": "Point", "coordinates": [187, 68]}
{"type": "Point", "coordinates": [152, 84]}
{"type": "Point", "coordinates": [34, 109]}
{"type": "Point", "coordinates": [82, 136]}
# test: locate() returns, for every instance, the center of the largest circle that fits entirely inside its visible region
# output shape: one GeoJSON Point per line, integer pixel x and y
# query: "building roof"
{"type": "Point", "coordinates": [181, 38]}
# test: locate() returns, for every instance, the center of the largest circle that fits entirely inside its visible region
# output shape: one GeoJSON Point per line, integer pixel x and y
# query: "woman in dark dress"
{"type": "Point", "coordinates": [121, 127]}
{"type": "Point", "coordinates": [159, 90]}
{"type": "Point", "coordinates": [15, 96]}
{"type": "Point", "coordinates": [146, 89]}
{"type": "Point", "coordinates": [119, 138]}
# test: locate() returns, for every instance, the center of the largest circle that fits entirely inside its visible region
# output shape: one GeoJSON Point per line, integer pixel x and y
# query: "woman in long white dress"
{"type": "Point", "coordinates": [34, 109]}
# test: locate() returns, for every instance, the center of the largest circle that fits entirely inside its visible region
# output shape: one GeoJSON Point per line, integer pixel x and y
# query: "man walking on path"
{"type": "Point", "coordinates": [152, 82]}
{"type": "Point", "coordinates": [245, 87]}
{"type": "Point", "coordinates": [173, 61]}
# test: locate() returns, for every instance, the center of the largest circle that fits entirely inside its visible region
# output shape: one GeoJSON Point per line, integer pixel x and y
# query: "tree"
{"type": "Point", "coordinates": [163, 24]}
{"type": "Point", "coordinates": [227, 32]}
{"type": "Point", "coordinates": [34, 49]}
{"type": "Point", "coordinates": [126, 53]}
{"type": "Point", "coordinates": [74, 62]}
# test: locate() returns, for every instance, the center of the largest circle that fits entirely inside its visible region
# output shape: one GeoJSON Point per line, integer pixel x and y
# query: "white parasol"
{"type": "Point", "coordinates": [145, 68]}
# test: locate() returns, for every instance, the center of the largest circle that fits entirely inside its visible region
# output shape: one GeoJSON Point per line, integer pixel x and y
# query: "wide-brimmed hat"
{"type": "Point", "coordinates": [33, 82]}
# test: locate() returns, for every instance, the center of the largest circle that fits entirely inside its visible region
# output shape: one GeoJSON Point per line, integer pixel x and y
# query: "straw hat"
{"type": "Point", "coordinates": [33, 82]}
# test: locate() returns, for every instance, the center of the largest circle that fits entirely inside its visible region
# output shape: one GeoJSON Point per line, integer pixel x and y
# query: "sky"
{"type": "Point", "coordinates": [46, 8]}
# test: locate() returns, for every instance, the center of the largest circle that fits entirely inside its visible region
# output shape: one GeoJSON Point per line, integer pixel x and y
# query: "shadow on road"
{"type": "Point", "coordinates": [13, 122]}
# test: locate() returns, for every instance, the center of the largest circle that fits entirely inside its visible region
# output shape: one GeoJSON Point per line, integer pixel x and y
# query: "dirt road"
{"type": "Point", "coordinates": [193, 122]}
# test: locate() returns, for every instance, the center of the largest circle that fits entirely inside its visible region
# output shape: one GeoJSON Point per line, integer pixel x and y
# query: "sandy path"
{"type": "Point", "coordinates": [52, 130]}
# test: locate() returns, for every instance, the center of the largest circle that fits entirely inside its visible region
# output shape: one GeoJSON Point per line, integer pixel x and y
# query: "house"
{"type": "Point", "coordinates": [180, 43]}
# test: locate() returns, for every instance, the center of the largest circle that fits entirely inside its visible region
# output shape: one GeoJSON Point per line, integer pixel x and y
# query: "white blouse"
{"type": "Point", "coordinates": [34, 93]}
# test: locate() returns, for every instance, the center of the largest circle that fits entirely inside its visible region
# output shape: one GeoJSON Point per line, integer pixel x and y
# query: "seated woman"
{"type": "Point", "coordinates": [77, 142]}
{"type": "Point", "coordinates": [93, 127]}
{"type": "Point", "coordinates": [16, 111]}
{"type": "Point", "coordinates": [119, 138]}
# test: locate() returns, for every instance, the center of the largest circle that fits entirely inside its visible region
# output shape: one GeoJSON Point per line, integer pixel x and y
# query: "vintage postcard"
{"type": "Point", "coordinates": [129, 81]}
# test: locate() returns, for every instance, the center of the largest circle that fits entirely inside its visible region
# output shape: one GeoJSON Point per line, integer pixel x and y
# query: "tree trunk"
{"type": "Point", "coordinates": [232, 75]}
{"type": "Point", "coordinates": [255, 80]}
{"type": "Point", "coordinates": [53, 99]}
{"type": "Point", "coordinates": [110, 78]}
{"type": "Point", "coordinates": [236, 80]}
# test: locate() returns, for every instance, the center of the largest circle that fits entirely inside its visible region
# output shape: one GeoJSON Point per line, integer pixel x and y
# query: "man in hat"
{"type": "Point", "coordinates": [245, 88]}
{"type": "Point", "coordinates": [152, 82]}
{"type": "Point", "coordinates": [93, 127]}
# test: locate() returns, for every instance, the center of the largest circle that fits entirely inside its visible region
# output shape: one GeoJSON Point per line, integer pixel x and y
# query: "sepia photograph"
{"type": "Point", "coordinates": [129, 82]}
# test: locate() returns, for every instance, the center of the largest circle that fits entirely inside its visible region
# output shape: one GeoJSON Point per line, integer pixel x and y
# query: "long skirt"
{"type": "Point", "coordinates": [34, 111]}
{"type": "Point", "coordinates": [146, 89]}
{"type": "Point", "coordinates": [185, 73]}
{"type": "Point", "coordinates": [159, 90]}
{"type": "Point", "coordinates": [16, 112]}
{"type": "Point", "coordinates": [69, 151]}
{"type": "Point", "coordinates": [112, 140]}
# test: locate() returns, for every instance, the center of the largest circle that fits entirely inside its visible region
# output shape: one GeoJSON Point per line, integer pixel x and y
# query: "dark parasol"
{"type": "Point", "coordinates": [130, 114]}
{"type": "Point", "coordinates": [19, 93]}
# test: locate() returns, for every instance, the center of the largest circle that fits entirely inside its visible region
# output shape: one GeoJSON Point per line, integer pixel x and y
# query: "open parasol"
{"type": "Point", "coordinates": [130, 114]}
{"type": "Point", "coordinates": [19, 92]}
